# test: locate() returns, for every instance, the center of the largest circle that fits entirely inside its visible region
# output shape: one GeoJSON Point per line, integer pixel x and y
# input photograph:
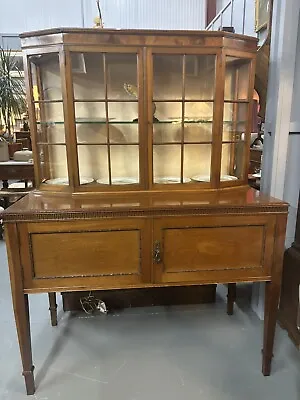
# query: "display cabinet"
{"type": "Point", "coordinates": [141, 146]}
{"type": "Point", "coordinates": [132, 117]}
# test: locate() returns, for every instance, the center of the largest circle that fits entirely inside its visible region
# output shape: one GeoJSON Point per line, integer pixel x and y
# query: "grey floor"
{"type": "Point", "coordinates": [184, 353]}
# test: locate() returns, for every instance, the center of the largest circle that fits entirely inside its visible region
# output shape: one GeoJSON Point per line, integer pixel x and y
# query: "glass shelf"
{"type": "Point", "coordinates": [135, 122]}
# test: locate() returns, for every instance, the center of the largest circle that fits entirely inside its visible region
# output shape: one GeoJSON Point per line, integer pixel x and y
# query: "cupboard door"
{"type": "Point", "coordinates": [99, 254]}
{"type": "Point", "coordinates": [213, 249]}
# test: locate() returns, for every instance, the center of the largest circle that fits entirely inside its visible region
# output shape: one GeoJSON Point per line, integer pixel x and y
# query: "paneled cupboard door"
{"type": "Point", "coordinates": [108, 104]}
{"type": "Point", "coordinates": [107, 253]}
{"type": "Point", "coordinates": [212, 249]}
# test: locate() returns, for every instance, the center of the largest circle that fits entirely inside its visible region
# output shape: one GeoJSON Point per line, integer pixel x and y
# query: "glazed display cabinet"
{"type": "Point", "coordinates": [111, 117]}
{"type": "Point", "coordinates": [141, 145]}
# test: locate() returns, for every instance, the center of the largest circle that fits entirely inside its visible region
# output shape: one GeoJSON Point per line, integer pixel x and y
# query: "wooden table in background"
{"type": "Point", "coordinates": [16, 170]}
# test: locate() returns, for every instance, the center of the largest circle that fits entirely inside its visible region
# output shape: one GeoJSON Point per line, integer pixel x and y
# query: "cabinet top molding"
{"type": "Point", "coordinates": [42, 206]}
{"type": "Point", "coordinates": [137, 37]}
{"type": "Point", "coordinates": [92, 31]}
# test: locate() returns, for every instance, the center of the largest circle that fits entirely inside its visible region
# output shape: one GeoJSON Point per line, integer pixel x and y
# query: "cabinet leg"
{"type": "Point", "coordinates": [272, 293]}
{"type": "Point", "coordinates": [53, 308]}
{"type": "Point", "coordinates": [23, 329]}
{"type": "Point", "coordinates": [231, 297]}
{"type": "Point", "coordinates": [21, 306]}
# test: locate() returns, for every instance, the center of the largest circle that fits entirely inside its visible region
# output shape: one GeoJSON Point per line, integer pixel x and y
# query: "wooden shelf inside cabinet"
{"type": "Point", "coordinates": [141, 145]}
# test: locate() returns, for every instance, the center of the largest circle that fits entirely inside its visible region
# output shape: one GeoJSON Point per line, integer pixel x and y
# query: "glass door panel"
{"type": "Point", "coordinates": [167, 163]}
{"type": "Point", "coordinates": [93, 163]}
{"type": "Point", "coordinates": [49, 116]}
{"type": "Point", "coordinates": [234, 120]}
{"type": "Point", "coordinates": [183, 98]}
{"type": "Point", "coordinates": [88, 76]}
{"type": "Point", "coordinates": [121, 72]}
{"type": "Point", "coordinates": [232, 161]}
{"type": "Point", "coordinates": [237, 78]}
{"type": "Point", "coordinates": [107, 114]}
{"type": "Point", "coordinates": [53, 164]}
{"type": "Point", "coordinates": [50, 122]}
{"type": "Point", "coordinates": [46, 79]}
{"type": "Point", "coordinates": [197, 161]}
{"type": "Point", "coordinates": [167, 77]}
{"type": "Point", "coordinates": [124, 164]}
{"type": "Point", "coordinates": [167, 133]}
{"type": "Point", "coordinates": [200, 77]}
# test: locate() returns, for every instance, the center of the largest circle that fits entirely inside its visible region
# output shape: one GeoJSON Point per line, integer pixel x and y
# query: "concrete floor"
{"type": "Point", "coordinates": [178, 353]}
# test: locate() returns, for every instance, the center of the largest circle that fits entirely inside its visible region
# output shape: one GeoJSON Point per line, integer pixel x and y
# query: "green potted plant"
{"type": "Point", "coordinates": [12, 93]}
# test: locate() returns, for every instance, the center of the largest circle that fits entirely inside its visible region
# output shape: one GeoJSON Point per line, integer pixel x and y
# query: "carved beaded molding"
{"type": "Point", "coordinates": [74, 215]}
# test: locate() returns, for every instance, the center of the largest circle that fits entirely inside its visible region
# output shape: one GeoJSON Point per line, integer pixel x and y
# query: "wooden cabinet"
{"type": "Point", "coordinates": [178, 105]}
{"type": "Point", "coordinates": [141, 151]}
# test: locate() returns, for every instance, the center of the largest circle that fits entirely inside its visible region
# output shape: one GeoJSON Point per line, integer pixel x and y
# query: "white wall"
{"type": "Point", "coordinates": [220, 4]}
{"type": "Point", "coordinates": [240, 14]}
{"type": "Point", "coordinates": [155, 14]}
{"type": "Point", "coordinates": [26, 15]}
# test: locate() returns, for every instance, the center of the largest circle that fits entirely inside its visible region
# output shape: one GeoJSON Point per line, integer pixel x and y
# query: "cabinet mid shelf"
{"type": "Point", "coordinates": [112, 122]}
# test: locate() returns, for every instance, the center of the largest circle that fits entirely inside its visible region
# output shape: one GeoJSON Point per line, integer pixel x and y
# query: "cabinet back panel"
{"type": "Point", "coordinates": [71, 254]}
{"type": "Point", "coordinates": [211, 248]}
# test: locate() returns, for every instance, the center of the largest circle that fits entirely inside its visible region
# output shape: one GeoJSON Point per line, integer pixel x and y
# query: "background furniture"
{"type": "Point", "coordinates": [289, 309]}
{"type": "Point", "coordinates": [141, 151]}
{"type": "Point", "coordinates": [15, 170]}
{"type": "Point", "coordinates": [24, 138]}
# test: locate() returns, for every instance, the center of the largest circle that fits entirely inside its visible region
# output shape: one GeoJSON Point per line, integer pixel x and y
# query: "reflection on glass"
{"type": "Point", "coordinates": [124, 164]}
{"type": "Point", "coordinates": [93, 162]}
{"type": "Point", "coordinates": [46, 80]}
{"type": "Point", "coordinates": [198, 132]}
{"type": "Point", "coordinates": [196, 162]}
{"type": "Point", "coordinates": [51, 133]}
{"type": "Point", "coordinates": [91, 133]}
{"type": "Point", "coordinates": [123, 112]}
{"type": "Point", "coordinates": [91, 70]}
{"type": "Point", "coordinates": [167, 77]}
{"type": "Point", "coordinates": [165, 133]}
{"type": "Point", "coordinates": [166, 161]}
{"type": "Point", "coordinates": [50, 123]}
{"type": "Point", "coordinates": [198, 112]}
{"type": "Point", "coordinates": [49, 113]}
{"type": "Point", "coordinates": [232, 160]}
{"type": "Point", "coordinates": [199, 77]}
{"type": "Point", "coordinates": [234, 120]}
{"type": "Point", "coordinates": [53, 163]}
{"type": "Point", "coordinates": [90, 112]}
{"type": "Point", "coordinates": [236, 78]}
{"type": "Point", "coordinates": [88, 76]}
{"type": "Point", "coordinates": [123, 133]}
{"type": "Point", "coordinates": [168, 112]}
{"type": "Point", "coordinates": [121, 86]}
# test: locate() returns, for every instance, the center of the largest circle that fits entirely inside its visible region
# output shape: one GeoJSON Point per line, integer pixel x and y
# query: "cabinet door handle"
{"type": "Point", "coordinates": [156, 252]}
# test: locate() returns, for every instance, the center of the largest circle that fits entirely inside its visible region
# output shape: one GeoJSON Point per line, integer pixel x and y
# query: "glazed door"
{"type": "Point", "coordinates": [108, 106]}
{"type": "Point", "coordinates": [211, 249]}
{"type": "Point", "coordinates": [181, 106]}
{"type": "Point", "coordinates": [199, 117]}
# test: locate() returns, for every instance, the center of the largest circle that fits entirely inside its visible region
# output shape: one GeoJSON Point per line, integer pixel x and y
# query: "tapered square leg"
{"type": "Point", "coordinates": [272, 293]}
{"type": "Point", "coordinates": [23, 329]}
{"type": "Point", "coordinates": [53, 308]}
{"type": "Point", "coordinates": [231, 297]}
{"type": "Point", "coordinates": [21, 308]}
